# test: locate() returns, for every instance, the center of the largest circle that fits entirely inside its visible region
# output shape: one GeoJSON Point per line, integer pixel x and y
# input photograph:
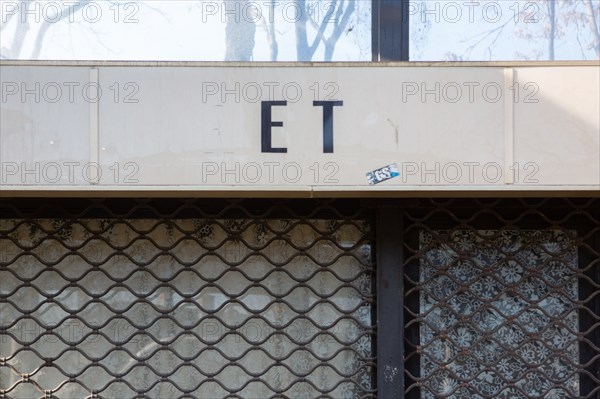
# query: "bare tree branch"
{"type": "Point", "coordinates": [304, 51]}
{"type": "Point", "coordinates": [552, 35]}
{"type": "Point", "coordinates": [269, 28]}
{"type": "Point", "coordinates": [583, 57]}
{"type": "Point", "coordinates": [594, 26]}
{"type": "Point", "coordinates": [6, 21]}
{"type": "Point", "coordinates": [487, 34]}
{"type": "Point", "coordinates": [320, 33]}
{"type": "Point", "coordinates": [339, 28]}
{"type": "Point", "coordinates": [48, 22]}
{"type": "Point", "coordinates": [340, 21]}
{"type": "Point", "coordinates": [19, 39]}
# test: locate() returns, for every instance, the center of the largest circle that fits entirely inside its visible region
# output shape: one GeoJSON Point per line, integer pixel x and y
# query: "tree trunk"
{"type": "Point", "coordinates": [273, 45]}
{"type": "Point", "coordinates": [303, 51]}
{"type": "Point", "coordinates": [594, 27]}
{"type": "Point", "coordinates": [329, 47]}
{"type": "Point", "coordinates": [340, 26]}
{"type": "Point", "coordinates": [240, 30]}
{"type": "Point", "coordinates": [552, 12]}
{"type": "Point", "coordinates": [306, 51]}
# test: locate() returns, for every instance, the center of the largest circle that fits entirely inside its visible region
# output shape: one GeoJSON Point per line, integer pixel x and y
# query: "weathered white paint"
{"type": "Point", "coordinates": [176, 136]}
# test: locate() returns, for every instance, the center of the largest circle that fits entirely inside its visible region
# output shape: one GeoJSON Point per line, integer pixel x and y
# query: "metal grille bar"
{"type": "Point", "coordinates": [174, 299]}
{"type": "Point", "coordinates": [501, 298]}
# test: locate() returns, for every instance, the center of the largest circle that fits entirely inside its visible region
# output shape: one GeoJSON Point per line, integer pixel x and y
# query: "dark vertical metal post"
{"type": "Point", "coordinates": [390, 304]}
{"type": "Point", "coordinates": [375, 30]}
{"type": "Point", "coordinates": [390, 30]}
{"type": "Point", "coordinates": [588, 279]}
{"type": "Point", "coordinates": [596, 305]}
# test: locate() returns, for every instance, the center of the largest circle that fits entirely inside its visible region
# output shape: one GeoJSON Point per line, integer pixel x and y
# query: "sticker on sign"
{"type": "Point", "coordinates": [382, 174]}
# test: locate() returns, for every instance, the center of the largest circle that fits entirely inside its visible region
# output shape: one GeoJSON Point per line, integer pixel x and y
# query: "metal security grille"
{"type": "Point", "coordinates": [185, 299]}
{"type": "Point", "coordinates": [501, 299]}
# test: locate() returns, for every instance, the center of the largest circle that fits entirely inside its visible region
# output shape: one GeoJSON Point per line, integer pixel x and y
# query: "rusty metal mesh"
{"type": "Point", "coordinates": [185, 299]}
{"type": "Point", "coordinates": [502, 298]}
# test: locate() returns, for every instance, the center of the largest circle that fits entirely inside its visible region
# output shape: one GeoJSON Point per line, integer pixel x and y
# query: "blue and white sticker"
{"type": "Point", "coordinates": [382, 174]}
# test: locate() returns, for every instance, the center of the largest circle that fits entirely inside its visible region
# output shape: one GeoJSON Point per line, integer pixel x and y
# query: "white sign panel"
{"type": "Point", "coordinates": [313, 128]}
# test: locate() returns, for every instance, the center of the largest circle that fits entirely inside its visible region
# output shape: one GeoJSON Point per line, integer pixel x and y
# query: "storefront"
{"type": "Point", "coordinates": [300, 231]}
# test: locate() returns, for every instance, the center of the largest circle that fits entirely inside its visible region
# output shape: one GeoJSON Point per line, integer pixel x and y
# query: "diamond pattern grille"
{"type": "Point", "coordinates": [181, 302]}
{"type": "Point", "coordinates": [501, 299]}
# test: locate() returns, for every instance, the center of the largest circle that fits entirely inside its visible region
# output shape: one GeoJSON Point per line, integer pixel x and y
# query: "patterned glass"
{"type": "Point", "coordinates": [186, 308]}
{"type": "Point", "coordinates": [498, 314]}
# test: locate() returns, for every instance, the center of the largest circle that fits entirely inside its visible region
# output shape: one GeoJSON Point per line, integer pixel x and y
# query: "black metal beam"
{"type": "Point", "coordinates": [390, 304]}
{"type": "Point", "coordinates": [390, 30]}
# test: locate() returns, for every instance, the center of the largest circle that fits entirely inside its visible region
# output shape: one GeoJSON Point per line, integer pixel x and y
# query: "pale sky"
{"type": "Point", "coordinates": [195, 30]}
